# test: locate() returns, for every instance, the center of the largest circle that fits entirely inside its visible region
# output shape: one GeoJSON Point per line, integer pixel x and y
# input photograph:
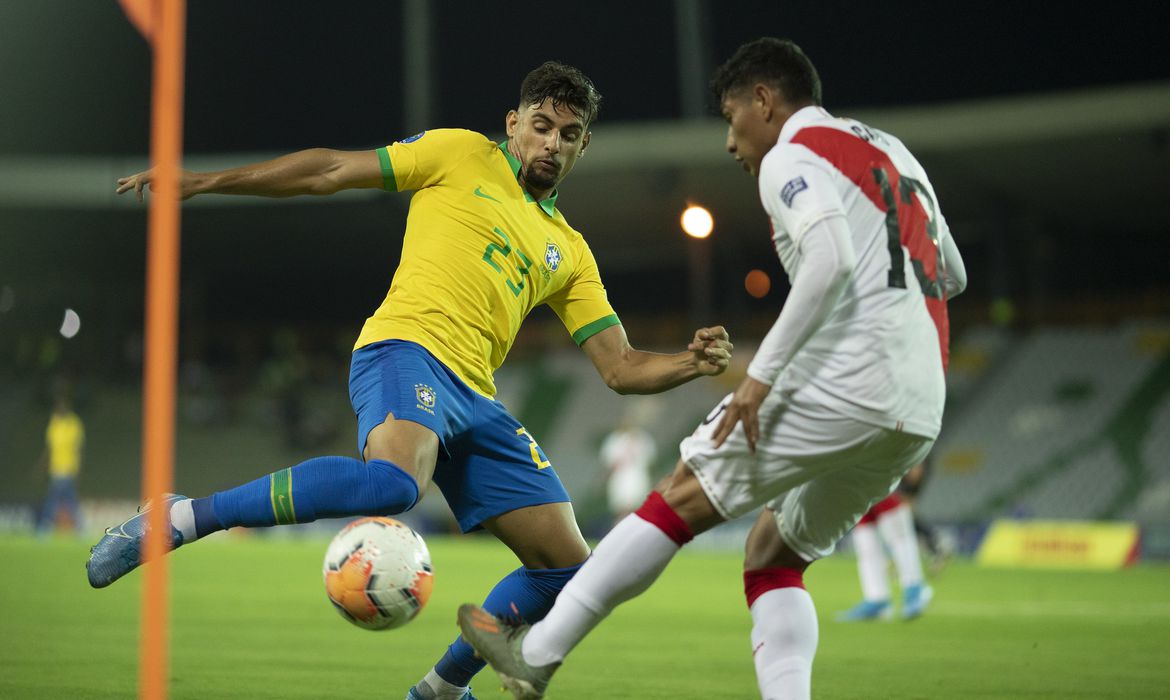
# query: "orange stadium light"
{"type": "Point", "coordinates": [757, 283]}
{"type": "Point", "coordinates": [697, 222]}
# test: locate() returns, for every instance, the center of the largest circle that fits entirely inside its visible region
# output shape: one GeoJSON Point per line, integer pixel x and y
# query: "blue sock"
{"type": "Point", "coordinates": [525, 593]}
{"type": "Point", "coordinates": [322, 487]}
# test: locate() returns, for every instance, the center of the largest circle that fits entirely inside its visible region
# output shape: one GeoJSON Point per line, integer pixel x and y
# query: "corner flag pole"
{"type": "Point", "coordinates": [162, 298]}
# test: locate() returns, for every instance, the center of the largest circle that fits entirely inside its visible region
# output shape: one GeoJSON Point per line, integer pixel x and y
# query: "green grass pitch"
{"type": "Point", "coordinates": [250, 620]}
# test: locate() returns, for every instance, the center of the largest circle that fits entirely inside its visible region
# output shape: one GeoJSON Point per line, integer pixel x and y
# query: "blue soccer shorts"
{"type": "Point", "coordinates": [488, 463]}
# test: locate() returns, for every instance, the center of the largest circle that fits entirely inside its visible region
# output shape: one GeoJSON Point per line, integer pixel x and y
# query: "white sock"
{"type": "Point", "coordinates": [871, 564]}
{"type": "Point", "coordinates": [896, 528]}
{"type": "Point", "coordinates": [433, 687]}
{"type": "Point", "coordinates": [183, 519]}
{"type": "Point", "coordinates": [784, 642]}
{"type": "Point", "coordinates": [624, 564]}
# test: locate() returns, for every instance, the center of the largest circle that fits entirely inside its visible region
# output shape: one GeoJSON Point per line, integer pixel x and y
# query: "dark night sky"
{"type": "Point", "coordinates": [76, 81]}
{"type": "Point", "coordinates": [328, 74]}
{"type": "Point", "coordinates": [873, 55]}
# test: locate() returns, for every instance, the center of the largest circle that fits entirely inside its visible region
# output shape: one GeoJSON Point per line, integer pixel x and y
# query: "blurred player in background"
{"type": "Point", "coordinates": [843, 397]}
{"type": "Point", "coordinates": [940, 549]}
{"type": "Point", "coordinates": [64, 443]}
{"type": "Point", "coordinates": [484, 245]}
{"type": "Point", "coordinates": [628, 454]}
{"type": "Point", "coordinates": [888, 527]}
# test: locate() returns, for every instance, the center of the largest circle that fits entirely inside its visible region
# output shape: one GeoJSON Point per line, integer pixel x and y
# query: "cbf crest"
{"type": "Point", "coordinates": [426, 398]}
{"type": "Point", "coordinates": [552, 257]}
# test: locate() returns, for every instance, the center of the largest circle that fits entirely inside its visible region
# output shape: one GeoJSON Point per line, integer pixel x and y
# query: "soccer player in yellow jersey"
{"type": "Point", "coordinates": [64, 441]}
{"type": "Point", "coordinates": [484, 245]}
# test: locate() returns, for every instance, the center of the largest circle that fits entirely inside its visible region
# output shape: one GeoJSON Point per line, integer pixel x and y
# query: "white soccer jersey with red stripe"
{"type": "Point", "coordinates": [880, 355]}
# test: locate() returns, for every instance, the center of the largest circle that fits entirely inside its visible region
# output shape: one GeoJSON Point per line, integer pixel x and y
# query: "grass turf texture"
{"type": "Point", "coordinates": [250, 619]}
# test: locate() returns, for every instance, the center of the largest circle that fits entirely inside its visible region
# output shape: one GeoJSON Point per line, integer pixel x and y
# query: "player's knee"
{"type": "Point", "coordinates": [394, 490]}
{"type": "Point", "coordinates": [662, 515]}
{"type": "Point", "coordinates": [685, 496]}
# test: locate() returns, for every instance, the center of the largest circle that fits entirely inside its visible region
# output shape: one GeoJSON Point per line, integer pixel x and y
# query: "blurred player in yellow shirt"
{"type": "Point", "coordinates": [64, 441]}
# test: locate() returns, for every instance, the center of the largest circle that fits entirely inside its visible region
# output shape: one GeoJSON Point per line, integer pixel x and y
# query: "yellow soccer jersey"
{"type": "Point", "coordinates": [64, 437]}
{"type": "Point", "coordinates": [478, 255]}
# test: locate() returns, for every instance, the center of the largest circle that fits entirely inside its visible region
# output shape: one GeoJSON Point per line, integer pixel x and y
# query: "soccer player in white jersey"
{"type": "Point", "coordinates": [627, 453]}
{"type": "Point", "coordinates": [844, 395]}
{"type": "Point", "coordinates": [888, 526]}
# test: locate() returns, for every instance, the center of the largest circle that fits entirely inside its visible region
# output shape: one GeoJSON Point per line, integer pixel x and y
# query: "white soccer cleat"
{"type": "Point", "coordinates": [499, 642]}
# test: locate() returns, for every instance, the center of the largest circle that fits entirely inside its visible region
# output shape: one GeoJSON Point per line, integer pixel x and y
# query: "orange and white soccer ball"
{"type": "Point", "coordinates": [378, 573]}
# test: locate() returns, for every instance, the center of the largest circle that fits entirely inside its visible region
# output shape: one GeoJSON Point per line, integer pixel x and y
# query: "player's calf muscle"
{"type": "Point", "coordinates": [542, 537]}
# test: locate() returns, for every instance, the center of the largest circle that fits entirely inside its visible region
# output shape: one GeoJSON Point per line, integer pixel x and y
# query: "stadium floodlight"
{"type": "Point", "coordinates": [71, 324]}
{"type": "Point", "coordinates": [697, 222]}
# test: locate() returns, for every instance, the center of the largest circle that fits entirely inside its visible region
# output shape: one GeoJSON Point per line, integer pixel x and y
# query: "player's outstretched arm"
{"type": "Point", "coordinates": [314, 171]}
{"type": "Point", "coordinates": [630, 371]}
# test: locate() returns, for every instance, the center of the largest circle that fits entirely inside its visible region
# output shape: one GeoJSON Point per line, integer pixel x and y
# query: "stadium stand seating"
{"type": "Point", "coordinates": [1066, 423]}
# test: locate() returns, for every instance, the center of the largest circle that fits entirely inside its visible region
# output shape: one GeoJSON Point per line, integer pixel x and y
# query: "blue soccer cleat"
{"type": "Point", "coordinates": [915, 599]}
{"type": "Point", "coordinates": [119, 551]}
{"type": "Point", "coordinates": [867, 610]}
{"type": "Point", "coordinates": [413, 694]}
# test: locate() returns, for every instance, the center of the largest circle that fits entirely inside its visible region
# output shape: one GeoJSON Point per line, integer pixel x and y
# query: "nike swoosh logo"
{"type": "Point", "coordinates": [120, 530]}
{"type": "Point", "coordinates": [715, 414]}
{"type": "Point", "coordinates": [484, 622]}
{"type": "Point", "coordinates": [480, 193]}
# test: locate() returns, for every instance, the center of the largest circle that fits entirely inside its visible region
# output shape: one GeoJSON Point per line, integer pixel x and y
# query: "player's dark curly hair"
{"type": "Point", "coordinates": [776, 62]}
{"type": "Point", "coordinates": [566, 86]}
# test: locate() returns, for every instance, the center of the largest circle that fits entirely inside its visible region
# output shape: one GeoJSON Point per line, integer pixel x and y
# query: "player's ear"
{"type": "Point", "coordinates": [764, 99]}
{"type": "Point", "coordinates": [510, 122]}
{"type": "Point", "coordinates": [584, 143]}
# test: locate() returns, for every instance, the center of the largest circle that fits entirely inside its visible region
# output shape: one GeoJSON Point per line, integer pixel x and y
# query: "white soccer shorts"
{"type": "Point", "coordinates": [819, 471]}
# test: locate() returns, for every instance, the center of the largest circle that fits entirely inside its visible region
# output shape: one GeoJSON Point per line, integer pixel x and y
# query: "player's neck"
{"type": "Point", "coordinates": [537, 195]}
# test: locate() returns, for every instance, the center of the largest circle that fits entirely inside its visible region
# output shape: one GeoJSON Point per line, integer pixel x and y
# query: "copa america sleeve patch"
{"type": "Point", "coordinates": [792, 188]}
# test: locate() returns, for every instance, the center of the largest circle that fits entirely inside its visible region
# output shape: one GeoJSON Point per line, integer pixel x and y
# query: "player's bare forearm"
{"type": "Point", "coordinates": [317, 171]}
{"type": "Point", "coordinates": [651, 373]}
{"type": "Point", "coordinates": [314, 171]}
{"type": "Point", "coordinates": [630, 371]}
